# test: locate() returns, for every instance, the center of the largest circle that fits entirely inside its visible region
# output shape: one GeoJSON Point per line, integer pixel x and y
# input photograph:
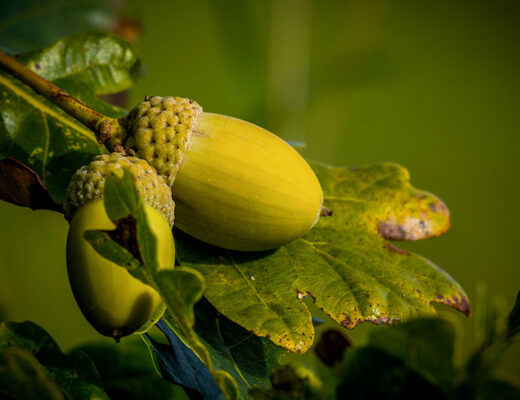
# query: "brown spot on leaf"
{"type": "Point", "coordinates": [395, 249]}
{"type": "Point", "coordinates": [309, 294]}
{"type": "Point", "coordinates": [421, 217]}
{"type": "Point", "coordinates": [351, 323]}
{"type": "Point", "coordinates": [439, 207]}
{"type": "Point", "coordinates": [331, 347]}
{"type": "Point", "coordinates": [458, 303]}
{"type": "Point", "coordinates": [391, 230]}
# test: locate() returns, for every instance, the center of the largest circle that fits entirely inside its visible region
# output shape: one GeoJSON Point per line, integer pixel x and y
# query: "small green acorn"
{"type": "Point", "coordinates": [114, 302]}
{"type": "Point", "coordinates": [235, 184]}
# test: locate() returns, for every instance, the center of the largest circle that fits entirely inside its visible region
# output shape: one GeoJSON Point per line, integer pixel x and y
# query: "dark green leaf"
{"type": "Point", "coordinates": [37, 133]}
{"type": "Point", "coordinates": [29, 24]}
{"type": "Point", "coordinates": [373, 374]}
{"type": "Point", "coordinates": [295, 381]}
{"type": "Point", "coordinates": [488, 388]}
{"type": "Point", "coordinates": [491, 332]}
{"type": "Point", "coordinates": [424, 345]}
{"type": "Point", "coordinates": [44, 138]}
{"type": "Point", "coordinates": [180, 365]}
{"type": "Point", "coordinates": [181, 289]}
{"type": "Point", "coordinates": [344, 263]}
{"type": "Point", "coordinates": [496, 389]}
{"type": "Point", "coordinates": [127, 372]}
{"type": "Point", "coordinates": [249, 358]}
{"type": "Point", "coordinates": [25, 378]}
{"type": "Point", "coordinates": [29, 354]}
{"type": "Point", "coordinates": [88, 65]}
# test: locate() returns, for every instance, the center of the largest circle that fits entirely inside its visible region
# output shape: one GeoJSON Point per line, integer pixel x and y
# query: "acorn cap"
{"type": "Point", "coordinates": [158, 131]}
{"type": "Point", "coordinates": [87, 183]}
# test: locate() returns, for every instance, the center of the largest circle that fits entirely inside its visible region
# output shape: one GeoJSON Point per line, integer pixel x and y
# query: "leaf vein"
{"type": "Point", "coordinates": [235, 265]}
{"type": "Point", "coordinates": [228, 351]}
{"type": "Point", "coordinates": [389, 288]}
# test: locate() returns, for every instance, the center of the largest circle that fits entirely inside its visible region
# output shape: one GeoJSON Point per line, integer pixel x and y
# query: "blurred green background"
{"type": "Point", "coordinates": [433, 86]}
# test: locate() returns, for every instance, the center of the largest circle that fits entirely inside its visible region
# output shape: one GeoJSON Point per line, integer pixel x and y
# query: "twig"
{"type": "Point", "coordinates": [104, 127]}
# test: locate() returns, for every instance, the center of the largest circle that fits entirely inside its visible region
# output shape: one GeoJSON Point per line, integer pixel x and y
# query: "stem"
{"type": "Point", "coordinates": [104, 127]}
{"type": "Point", "coordinates": [325, 212]}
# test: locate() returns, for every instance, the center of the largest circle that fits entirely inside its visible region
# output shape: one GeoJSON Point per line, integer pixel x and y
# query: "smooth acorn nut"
{"type": "Point", "coordinates": [235, 185]}
{"type": "Point", "coordinates": [114, 302]}
{"type": "Point", "coordinates": [243, 188]}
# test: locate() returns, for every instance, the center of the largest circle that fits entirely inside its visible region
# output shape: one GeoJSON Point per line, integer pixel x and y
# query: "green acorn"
{"type": "Point", "coordinates": [235, 184]}
{"type": "Point", "coordinates": [114, 302]}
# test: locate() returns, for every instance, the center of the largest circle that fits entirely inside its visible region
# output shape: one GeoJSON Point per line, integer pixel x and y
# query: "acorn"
{"type": "Point", "coordinates": [87, 184]}
{"type": "Point", "coordinates": [235, 185]}
{"type": "Point", "coordinates": [114, 302]}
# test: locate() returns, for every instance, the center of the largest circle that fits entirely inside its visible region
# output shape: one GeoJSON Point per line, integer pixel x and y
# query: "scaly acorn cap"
{"type": "Point", "coordinates": [87, 183]}
{"type": "Point", "coordinates": [159, 130]}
